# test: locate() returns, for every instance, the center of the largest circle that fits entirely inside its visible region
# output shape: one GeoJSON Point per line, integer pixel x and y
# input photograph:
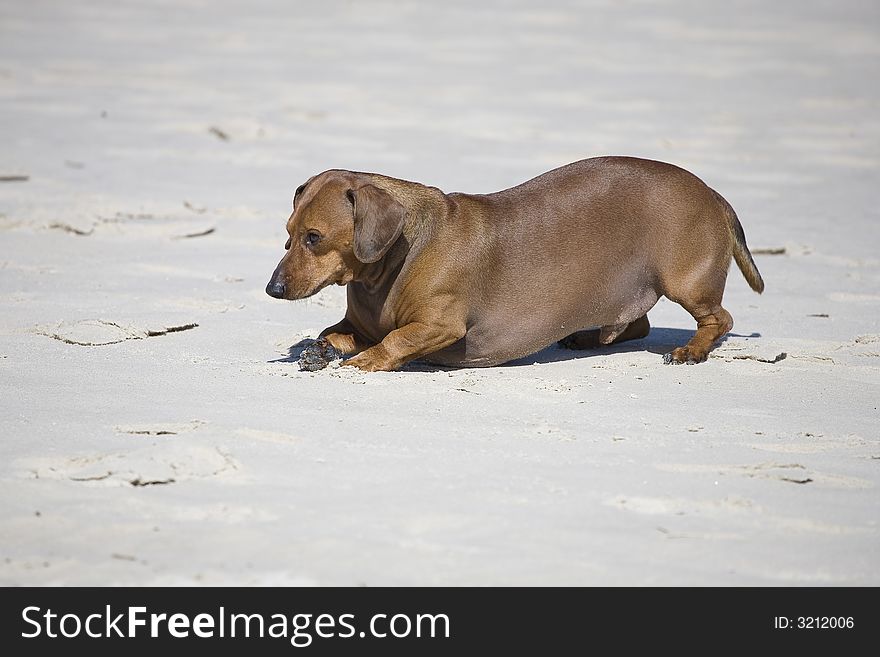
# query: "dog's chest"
{"type": "Point", "coordinates": [369, 311]}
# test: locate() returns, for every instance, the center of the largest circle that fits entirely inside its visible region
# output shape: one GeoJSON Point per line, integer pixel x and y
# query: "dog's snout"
{"type": "Point", "coordinates": [275, 289]}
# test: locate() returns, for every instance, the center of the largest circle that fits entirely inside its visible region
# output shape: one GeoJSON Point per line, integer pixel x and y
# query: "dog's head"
{"type": "Point", "coordinates": [340, 222]}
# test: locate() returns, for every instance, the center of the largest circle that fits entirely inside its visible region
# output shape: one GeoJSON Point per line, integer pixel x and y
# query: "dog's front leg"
{"type": "Point", "coordinates": [344, 338]}
{"type": "Point", "coordinates": [405, 344]}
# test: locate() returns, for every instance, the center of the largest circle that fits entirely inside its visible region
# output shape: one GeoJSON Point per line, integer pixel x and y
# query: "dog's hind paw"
{"type": "Point", "coordinates": [683, 355]}
{"type": "Point", "coordinates": [581, 340]}
{"type": "Point", "coordinates": [318, 355]}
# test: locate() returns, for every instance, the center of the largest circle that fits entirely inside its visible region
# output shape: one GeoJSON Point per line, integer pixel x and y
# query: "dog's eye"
{"type": "Point", "coordinates": [287, 245]}
{"type": "Point", "coordinates": [312, 238]}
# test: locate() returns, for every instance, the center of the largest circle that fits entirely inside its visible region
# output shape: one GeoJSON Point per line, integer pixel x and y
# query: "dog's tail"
{"type": "Point", "coordinates": [741, 252]}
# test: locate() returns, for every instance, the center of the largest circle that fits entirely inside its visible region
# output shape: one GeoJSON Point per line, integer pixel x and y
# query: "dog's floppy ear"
{"type": "Point", "coordinates": [378, 222]}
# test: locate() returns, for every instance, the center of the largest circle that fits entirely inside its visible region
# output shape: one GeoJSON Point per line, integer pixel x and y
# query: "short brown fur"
{"type": "Point", "coordinates": [478, 280]}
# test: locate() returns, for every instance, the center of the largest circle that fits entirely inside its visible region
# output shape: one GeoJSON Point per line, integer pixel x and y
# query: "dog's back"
{"type": "Point", "coordinates": [591, 244]}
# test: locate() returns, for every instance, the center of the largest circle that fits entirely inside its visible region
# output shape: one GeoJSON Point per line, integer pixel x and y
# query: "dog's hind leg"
{"type": "Point", "coordinates": [593, 338]}
{"type": "Point", "coordinates": [699, 289]}
{"type": "Point", "coordinates": [713, 322]}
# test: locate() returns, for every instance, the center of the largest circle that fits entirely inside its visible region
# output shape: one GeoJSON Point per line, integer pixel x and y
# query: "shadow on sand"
{"type": "Point", "coordinates": [659, 341]}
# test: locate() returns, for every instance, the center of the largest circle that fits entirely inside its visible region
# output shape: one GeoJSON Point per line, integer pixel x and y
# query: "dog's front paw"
{"type": "Point", "coordinates": [318, 355]}
{"type": "Point", "coordinates": [363, 364]}
{"type": "Point", "coordinates": [369, 362]}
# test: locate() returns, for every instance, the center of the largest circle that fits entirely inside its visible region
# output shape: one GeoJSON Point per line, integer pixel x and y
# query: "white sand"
{"type": "Point", "coordinates": [204, 456]}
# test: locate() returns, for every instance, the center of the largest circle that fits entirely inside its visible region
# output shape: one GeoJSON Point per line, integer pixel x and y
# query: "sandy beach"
{"type": "Point", "coordinates": [155, 428]}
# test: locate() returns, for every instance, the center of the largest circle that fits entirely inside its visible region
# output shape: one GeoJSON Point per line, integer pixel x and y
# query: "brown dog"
{"type": "Point", "coordinates": [477, 280]}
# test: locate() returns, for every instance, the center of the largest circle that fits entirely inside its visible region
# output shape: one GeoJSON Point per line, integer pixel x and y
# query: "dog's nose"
{"type": "Point", "coordinates": [275, 289]}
